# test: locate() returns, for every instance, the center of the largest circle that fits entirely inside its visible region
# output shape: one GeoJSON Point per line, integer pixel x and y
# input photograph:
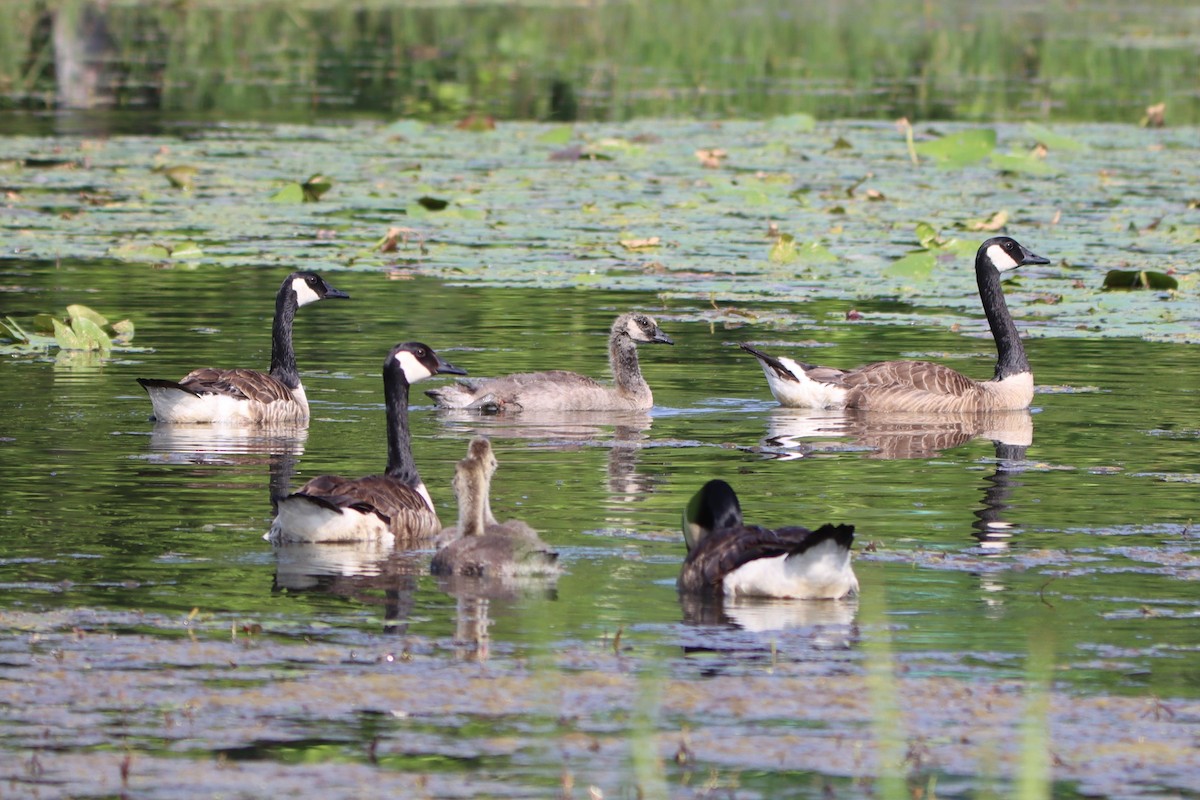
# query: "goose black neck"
{"type": "Point", "coordinates": [623, 360]}
{"type": "Point", "coordinates": [395, 394]}
{"type": "Point", "coordinates": [283, 357]}
{"type": "Point", "coordinates": [1010, 351]}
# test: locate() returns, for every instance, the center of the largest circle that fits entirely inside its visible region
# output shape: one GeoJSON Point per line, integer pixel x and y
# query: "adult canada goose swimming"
{"type": "Point", "coordinates": [392, 506]}
{"type": "Point", "coordinates": [247, 396]}
{"type": "Point", "coordinates": [727, 557]}
{"type": "Point", "coordinates": [922, 385]}
{"type": "Point", "coordinates": [559, 390]}
{"type": "Point", "coordinates": [479, 545]}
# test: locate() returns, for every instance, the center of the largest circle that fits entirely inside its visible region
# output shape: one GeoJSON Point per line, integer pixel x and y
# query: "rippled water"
{"type": "Point", "coordinates": [151, 630]}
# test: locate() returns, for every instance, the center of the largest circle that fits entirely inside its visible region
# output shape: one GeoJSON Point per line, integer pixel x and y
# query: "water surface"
{"type": "Point", "coordinates": [154, 634]}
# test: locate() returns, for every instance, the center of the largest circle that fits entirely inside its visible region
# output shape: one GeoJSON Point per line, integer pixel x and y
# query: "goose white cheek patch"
{"type": "Point", "coordinates": [414, 370]}
{"type": "Point", "coordinates": [304, 292]}
{"type": "Point", "coordinates": [1000, 259]}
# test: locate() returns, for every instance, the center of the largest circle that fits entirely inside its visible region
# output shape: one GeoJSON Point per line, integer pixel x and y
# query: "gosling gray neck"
{"type": "Point", "coordinates": [627, 372]}
{"type": "Point", "coordinates": [473, 503]}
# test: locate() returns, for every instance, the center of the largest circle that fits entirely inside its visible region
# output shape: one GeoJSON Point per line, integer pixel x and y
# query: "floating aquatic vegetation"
{"type": "Point", "coordinates": [919, 264]}
{"type": "Point", "coordinates": [959, 149]}
{"type": "Point", "coordinates": [83, 329]}
{"type": "Point", "coordinates": [1139, 279]}
{"type": "Point", "coordinates": [310, 191]}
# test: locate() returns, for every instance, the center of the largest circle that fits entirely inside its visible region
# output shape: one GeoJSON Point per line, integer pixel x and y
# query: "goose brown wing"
{"type": "Point", "coordinates": [244, 384]}
{"type": "Point", "coordinates": [385, 496]}
{"type": "Point", "coordinates": [719, 554]}
{"type": "Point", "coordinates": [923, 376]}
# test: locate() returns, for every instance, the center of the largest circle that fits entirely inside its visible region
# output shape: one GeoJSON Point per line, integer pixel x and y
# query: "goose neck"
{"type": "Point", "coordinates": [283, 356]}
{"type": "Point", "coordinates": [400, 461]}
{"type": "Point", "coordinates": [1010, 351]}
{"type": "Point", "coordinates": [623, 360]}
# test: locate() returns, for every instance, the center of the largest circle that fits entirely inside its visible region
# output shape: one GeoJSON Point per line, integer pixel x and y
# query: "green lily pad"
{"type": "Point", "coordinates": [140, 251]}
{"type": "Point", "coordinates": [182, 176]}
{"type": "Point", "coordinates": [1138, 279]}
{"type": "Point", "coordinates": [1051, 140]}
{"type": "Point", "coordinates": [558, 136]}
{"type": "Point", "coordinates": [83, 312]}
{"type": "Point", "coordinates": [815, 253]}
{"type": "Point", "coordinates": [91, 335]}
{"type": "Point", "coordinates": [316, 186]}
{"type": "Point", "coordinates": [186, 249]}
{"type": "Point", "coordinates": [784, 250]}
{"type": "Point", "coordinates": [916, 265]}
{"type": "Point", "coordinates": [959, 149]}
{"type": "Point", "coordinates": [292, 193]}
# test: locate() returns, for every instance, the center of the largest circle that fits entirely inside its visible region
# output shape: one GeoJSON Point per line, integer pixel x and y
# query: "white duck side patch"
{"type": "Point", "coordinates": [299, 519]}
{"type": "Point", "coordinates": [304, 292]}
{"type": "Point", "coordinates": [822, 572]}
{"type": "Point", "coordinates": [1001, 260]}
{"type": "Point", "coordinates": [414, 370]}
{"type": "Point", "coordinates": [803, 391]}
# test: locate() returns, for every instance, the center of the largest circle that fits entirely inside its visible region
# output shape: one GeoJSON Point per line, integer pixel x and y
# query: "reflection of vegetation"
{"type": "Point", "coordinates": [610, 60]}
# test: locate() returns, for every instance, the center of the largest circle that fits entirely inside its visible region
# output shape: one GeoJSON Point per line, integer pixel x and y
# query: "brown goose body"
{"type": "Point", "coordinates": [479, 546]}
{"type": "Point", "coordinates": [727, 557]}
{"type": "Point", "coordinates": [392, 507]}
{"type": "Point", "coordinates": [922, 386]}
{"type": "Point", "coordinates": [247, 396]}
{"type": "Point", "coordinates": [560, 390]}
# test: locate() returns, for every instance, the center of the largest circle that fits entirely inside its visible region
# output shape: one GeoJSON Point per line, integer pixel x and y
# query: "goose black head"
{"type": "Point", "coordinates": [1004, 253]}
{"type": "Point", "coordinates": [714, 508]}
{"type": "Point", "coordinates": [309, 287]}
{"type": "Point", "coordinates": [641, 328]}
{"type": "Point", "coordinates": [418, 361]}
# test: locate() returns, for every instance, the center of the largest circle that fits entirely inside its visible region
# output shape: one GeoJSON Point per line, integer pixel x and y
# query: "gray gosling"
{"type": "Point", "coordinates": [559, 390]}
{"type": "Point", "coordinates": [480, 546]}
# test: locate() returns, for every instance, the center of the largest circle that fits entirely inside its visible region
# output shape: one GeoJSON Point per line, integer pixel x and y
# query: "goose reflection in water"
{"type": "Point", "coordinates": [279, 447]}
{"type": "Point", "coordinates": [797, 433]}
{"type": "Point", "coordinates": [624, 433]}
{"type": "Point", "coordinates": [992, 530]}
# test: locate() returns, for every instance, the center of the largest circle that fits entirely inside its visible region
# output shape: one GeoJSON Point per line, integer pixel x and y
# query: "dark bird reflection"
{"type": "Point", "coordinates": [279, 447]}
{"type": "Point", "coordinates": [992, 529]}
{"type": "Point", "coordinates": [796, 433]}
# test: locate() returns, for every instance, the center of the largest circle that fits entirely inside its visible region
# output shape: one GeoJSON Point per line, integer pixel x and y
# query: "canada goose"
{"type": "Point", "coordinates": [922, 385]}
{"type": "Point", "coordinates": [558, 390]}
{"type": "Point", "coordinates": [394, 505]}
{"type": "Point", "coordinates": [484, 547]}
{"type": "Point", "coordinates": [726, 556]}
{"type": "Point", "coordinates": [247, 396]}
